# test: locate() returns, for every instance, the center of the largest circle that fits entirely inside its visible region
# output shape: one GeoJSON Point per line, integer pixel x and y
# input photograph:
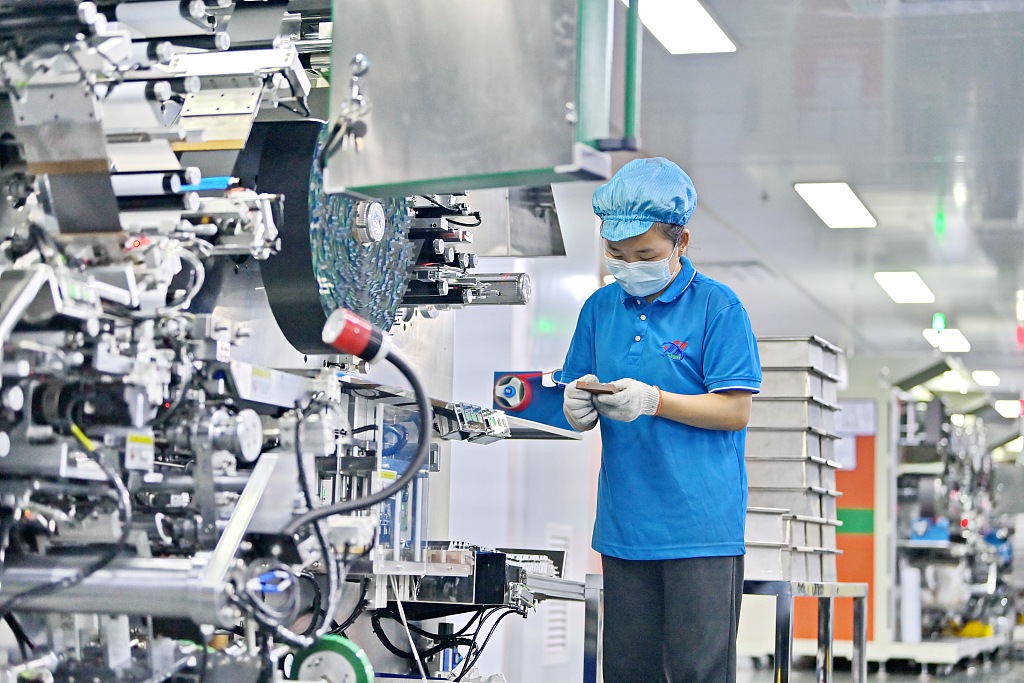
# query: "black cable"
{"type": "Point", "coordinates": [422, 450]}
{"type": "Point", "coordinates": [124, 502]}
{"type": "Point", "coordinates": [432, 635]}
{"type": "Point", "coordinates": [202, 665]}
{"type": "Point", "coordinates": [364, 428]}
{"type": "Point", "coordinates": [471, 662]}
{"type": "Point", "coordinates": [467, 225]}
{"type": "Point", "coordinates": [25, 644]}
{"type": "Point", "coordinates": [446, 643]}
{"type": "Point", "coordinates": [318, 595]}
{"type": "Point", "coordinates": [356, 611]}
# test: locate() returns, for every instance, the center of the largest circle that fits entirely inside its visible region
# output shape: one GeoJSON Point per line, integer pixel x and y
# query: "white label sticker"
{"type": "Point", "coordinates": [139, 451]}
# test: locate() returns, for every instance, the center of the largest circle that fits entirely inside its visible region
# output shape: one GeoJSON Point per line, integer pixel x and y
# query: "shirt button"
{"type": "Point", "coordinates": [636, 338]}
{"type": "Point", "coordinates": [639, 301]}
{"type": "Point", "coordinates": [643, 317]}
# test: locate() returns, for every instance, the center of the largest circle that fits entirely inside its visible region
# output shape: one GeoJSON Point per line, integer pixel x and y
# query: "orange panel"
{"type": "Point", "coordinates": [858, 485]}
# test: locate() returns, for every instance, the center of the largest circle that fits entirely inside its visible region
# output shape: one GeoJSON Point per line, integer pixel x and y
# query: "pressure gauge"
{"type": "Point", "coordinates": [370, 222]}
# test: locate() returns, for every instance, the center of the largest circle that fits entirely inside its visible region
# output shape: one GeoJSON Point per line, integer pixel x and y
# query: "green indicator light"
{"type": "Point", "coordinates": [940, 222]}
{"type": "Point", "coordinates": [939, 322]}
{"type": "Point", "coordinates": [544, 326]}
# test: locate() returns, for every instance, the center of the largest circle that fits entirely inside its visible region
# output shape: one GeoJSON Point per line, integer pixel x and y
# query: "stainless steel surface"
{"type": "Point", "coordinates": [465, 53]}
{"type": "Point", "coordinates": [823, 660]}
{"type": "Point", "coordinates": [593, 659]}
{"type": "Point", "coordinates": [223, 556]}
{"type": "Point", "coordinates": [165, 587]}
{"type": "Point", "coordinates": [793, 471]}
{"type": "Point", "coordinates": [798, 443]}
{"type": "Point", "coordinates": [767, 525]}
{"type": "Point", "coordinates": [792, 413]}
{"type": "Point", "coordinates": [792, 382]}
{"type": "Point", "coordinates": [799, 352]}
{"type": "Point", "coordinates": [808, 501]}
{"type": "Point", "coordinates": [766, 561]}
{"type": "Point", "coordinates": [552, 587]}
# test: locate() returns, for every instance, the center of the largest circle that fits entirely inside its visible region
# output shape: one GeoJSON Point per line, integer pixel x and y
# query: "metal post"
{"type": "Point", "coordinates": [825, 637]}
{"type": "Point", "coordinates": [593, 628]}
{"type": "Point", "coordinates": [634, 47]}
{"type": "Point", "coordinates": [783, 637]}
{"type": "Point", "coordinates": [860, 640]}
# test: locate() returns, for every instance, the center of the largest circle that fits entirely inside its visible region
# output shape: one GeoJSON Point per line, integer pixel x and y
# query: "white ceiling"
{"type": "Point", "coordinates": [903, 99]}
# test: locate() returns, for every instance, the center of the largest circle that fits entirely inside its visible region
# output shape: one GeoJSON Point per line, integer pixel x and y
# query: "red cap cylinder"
{"type": "Point", "coordinates": [348, 333]}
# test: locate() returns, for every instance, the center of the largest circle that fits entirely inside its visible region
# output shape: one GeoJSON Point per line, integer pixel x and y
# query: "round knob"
{"type": "Point", "coordinates": [370, 222]}
{"type": "Point", "coordinates": [241, 434]}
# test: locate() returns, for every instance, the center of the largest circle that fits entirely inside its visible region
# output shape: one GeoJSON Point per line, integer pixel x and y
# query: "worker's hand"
{"type": "Point", "coordinates": [633, 399]}
{"type": "Point", "coordinates": [578, 405]}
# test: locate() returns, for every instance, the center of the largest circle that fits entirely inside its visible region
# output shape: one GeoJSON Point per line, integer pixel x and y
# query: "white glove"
{"type": "Point", "coordinates": [633, 399]}
{"type": "Point", "coordinates": [578, 404]}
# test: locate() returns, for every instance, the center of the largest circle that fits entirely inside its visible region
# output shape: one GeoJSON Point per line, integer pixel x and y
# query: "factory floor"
{"type": "Point", "coordinates": [803, 672]}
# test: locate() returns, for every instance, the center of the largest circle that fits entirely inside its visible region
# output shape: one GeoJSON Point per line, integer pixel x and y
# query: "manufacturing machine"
{"type": "Point", "coordinates": [201, 477]}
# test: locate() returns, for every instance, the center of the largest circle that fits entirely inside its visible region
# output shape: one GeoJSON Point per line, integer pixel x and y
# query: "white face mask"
{"type": "Point", "coordinates": [642, 278]}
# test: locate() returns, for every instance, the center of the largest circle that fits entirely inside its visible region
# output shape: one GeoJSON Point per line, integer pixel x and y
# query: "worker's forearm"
{"type": "Point", "coordinates": [727, 411]}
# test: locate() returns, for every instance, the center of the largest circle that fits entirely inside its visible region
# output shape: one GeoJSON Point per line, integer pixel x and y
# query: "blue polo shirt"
{"type": "Point", "coordinates": [668, 490]}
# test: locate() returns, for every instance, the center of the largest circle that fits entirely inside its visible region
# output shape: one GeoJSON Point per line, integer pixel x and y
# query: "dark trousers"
{"type": "Point", "coordinates": [671, 620]}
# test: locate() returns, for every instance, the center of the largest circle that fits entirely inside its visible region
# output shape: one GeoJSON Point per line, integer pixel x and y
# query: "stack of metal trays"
{"type": "Point", "coordinates": [790, 466]}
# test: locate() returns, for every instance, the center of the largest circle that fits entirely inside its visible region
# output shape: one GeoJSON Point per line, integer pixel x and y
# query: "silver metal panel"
{"type": "Point", "coordinates": [798, 352]}
{"type": "Point", "coordinates": [792, 413]}
{"type": "Point", "coordinates": [802, 382]}
{"type": "Point", "coordinates": [462, 93]}
{"type": "Point", "coordinates": [766, 525]}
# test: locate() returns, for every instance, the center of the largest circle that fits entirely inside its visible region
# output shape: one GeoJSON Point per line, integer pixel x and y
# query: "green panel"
{"type": "Point", "coordinates": [594, 63]}
{"type": "Point", "coordinates": [856, 521]}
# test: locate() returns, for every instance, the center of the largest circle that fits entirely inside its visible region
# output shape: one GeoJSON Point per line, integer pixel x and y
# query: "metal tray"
{"type": "Point", "coordinates": [798, 383]}
{"type": "Point", "coordinates": [767, 525]}
{"type": "Point", "coordinates": [804, 501]}
{"type": "Point", "coordinates": [789, 443]}
{"type": "Point", "coordinates": [767, 562]}
{"type": "Point", "coordinates": [813, 532]}
{"type": "Point", "coordinates": [791, 471]}
{"type": "Point", "coordinates": [798, 352]}
{"type": "Point", "coordinates": [792, 413]}
{"type": "Point", "coordinates": [813, 564]}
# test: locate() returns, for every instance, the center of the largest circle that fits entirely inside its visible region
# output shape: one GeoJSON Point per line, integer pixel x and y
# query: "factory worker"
{"type": "Point", "coordinates": [672, 492]}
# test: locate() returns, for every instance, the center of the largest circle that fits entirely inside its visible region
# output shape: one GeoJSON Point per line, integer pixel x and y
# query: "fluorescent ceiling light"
{"type": "Point", "coordinates": [1010, 409]}
{"type": "Point", "coordinates": [684, 27]}
{"type": "Point", "coordinates": [985, 378]}
{"type": "Point", "coordinates": [905, 287]}
{"type": "Point", "coordinates": [949, 340]}
{"type": "Point", "coordinates": [836, 204]}
{"type": "Point", "coordinates": [949, 381]}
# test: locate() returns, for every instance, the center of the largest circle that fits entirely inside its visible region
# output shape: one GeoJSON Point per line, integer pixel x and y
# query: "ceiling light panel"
{"type": "Point", "coordinates": [985, 378]}
{"type": "Point", "coordinates": [950, 340]}
{"type": "Point", "coordinates": [836, 204]}
{"type": "Point", "coordinates": [1010, 409]}
{"type": "Point", "coordinates": [683, 27]}
{"type": "Point", "coordinates": [905, 287]}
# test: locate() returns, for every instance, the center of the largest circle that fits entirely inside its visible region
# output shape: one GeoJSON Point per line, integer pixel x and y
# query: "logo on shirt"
{"type": "Point", "coordinates": [673, 350]}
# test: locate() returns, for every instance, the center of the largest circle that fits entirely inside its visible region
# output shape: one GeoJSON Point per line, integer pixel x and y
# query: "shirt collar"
{"type": "Point", "coordinates": [679, 284]}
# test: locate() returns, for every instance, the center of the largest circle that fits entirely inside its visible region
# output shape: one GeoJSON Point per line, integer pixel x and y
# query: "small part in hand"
{"type": "Point", "coordinates": [597, 387]}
